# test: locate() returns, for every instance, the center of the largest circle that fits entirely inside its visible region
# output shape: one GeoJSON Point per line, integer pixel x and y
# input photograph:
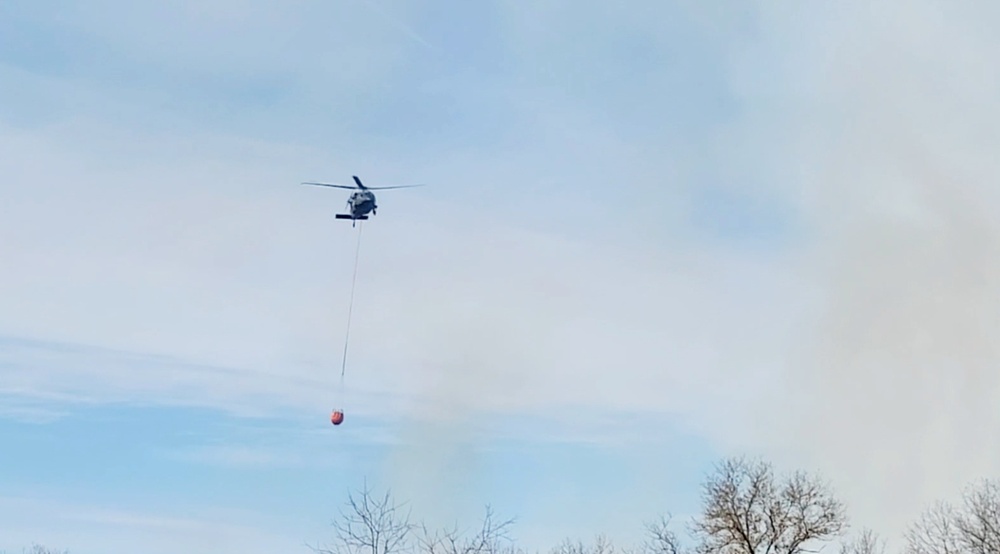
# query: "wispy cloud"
{"type": "Point", "coordinates": [18, 409]}
{"type": "Point", "coordinates": [83, 527]}
{"type": "Point", "coordinates": [240, 456]}
{"type": "Point", "coordinates": [376, 7]}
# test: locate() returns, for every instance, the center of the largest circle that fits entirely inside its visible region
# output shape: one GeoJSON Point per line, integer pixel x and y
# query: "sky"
{"type": "Point", "coordinates": [654, 234]}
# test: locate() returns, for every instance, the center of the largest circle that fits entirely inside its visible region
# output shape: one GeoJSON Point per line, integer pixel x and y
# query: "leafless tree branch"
{"type": "Point", "coordinates": [973, 529]}
{"type": "Point", "coordinates": [601, 545]}
{"type": "Point", "coordinates": [935, 532]}
{"type": "Point", "coordinates": [660, 539]}
{"type": "Point", "coordinates": [865, 542]}
{"type": "Point", "coordinates": [747, 511]}
{"type": "Point", "coordinates": [39, 549]}
{"type": "Point", "coordinates": [491, 538]}
{"type": "Point", "coordinates": [371, 526]}
{"type": "Point", "coordinates": [979, 525]}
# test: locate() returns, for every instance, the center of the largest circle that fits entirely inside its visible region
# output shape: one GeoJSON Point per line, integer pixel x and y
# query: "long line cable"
{"type": "Point", "coordinates": [350, 306]}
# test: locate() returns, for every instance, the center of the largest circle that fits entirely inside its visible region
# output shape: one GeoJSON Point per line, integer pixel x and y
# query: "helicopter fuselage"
{"type": "Point", "coordinates": [361, 203]}
{"type": "Point", "coordinates": [362, 199]}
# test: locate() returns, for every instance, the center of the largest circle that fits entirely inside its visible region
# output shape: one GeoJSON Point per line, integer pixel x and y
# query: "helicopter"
{"type": "Point", "coordinates": [361, 201]}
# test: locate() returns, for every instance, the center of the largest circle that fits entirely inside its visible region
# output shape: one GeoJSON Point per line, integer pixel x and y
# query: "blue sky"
{"type": "Point", "coordinates": [652, 231]}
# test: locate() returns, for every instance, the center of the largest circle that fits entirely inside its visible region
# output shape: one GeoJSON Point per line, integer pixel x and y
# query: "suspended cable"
{"type": "Point", "coordinates": [350, 306]}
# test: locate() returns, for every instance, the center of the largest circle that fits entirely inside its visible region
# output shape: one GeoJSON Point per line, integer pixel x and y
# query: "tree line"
{"type": "Point", "coordinates": [746, 508]}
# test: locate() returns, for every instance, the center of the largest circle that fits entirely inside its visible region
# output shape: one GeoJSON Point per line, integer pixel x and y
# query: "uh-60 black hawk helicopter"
{"type": "Point", "coordinates": [362, 200]}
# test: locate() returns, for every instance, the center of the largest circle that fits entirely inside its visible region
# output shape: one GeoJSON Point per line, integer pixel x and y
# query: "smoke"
{"type": "Point", "coordinates": [893, 390]}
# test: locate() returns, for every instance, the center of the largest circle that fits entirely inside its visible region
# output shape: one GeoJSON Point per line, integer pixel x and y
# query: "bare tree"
{"type": "Point", "coordinates": [601, 545]}
{"type": "Point", "coordinates": [747, 511]}
{"type": "Point", "coordinates": [979, 525]}
{"type": "Point", "coordinates": [973, 529]}
{"type": "Point", "coordinates": [491, 538]}
{"type": "Point", "coordinates": [39, 549]}
{"type": "Point", "coordinates": [371, 526]}
{"type": "Point", "coordinates": [660, 539]}
{"type": "Point", "coordinates": [935, 532]}
{"type": "Point", "coordinates": [865, 542]}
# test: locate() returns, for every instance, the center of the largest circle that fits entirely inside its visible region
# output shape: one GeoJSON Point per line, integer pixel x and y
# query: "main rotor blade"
{"type": "Point", "coordinates": [394, 187]}
{"type": "Point", "coordinates": [330, 185]}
